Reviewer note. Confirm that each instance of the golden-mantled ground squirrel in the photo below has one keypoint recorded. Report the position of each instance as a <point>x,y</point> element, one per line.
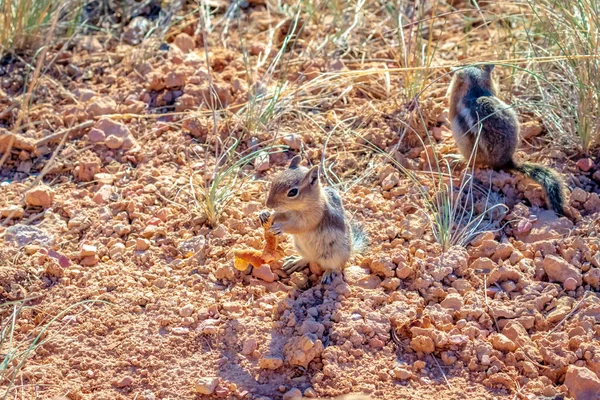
<point>481,120</point>
<point>315,217</point>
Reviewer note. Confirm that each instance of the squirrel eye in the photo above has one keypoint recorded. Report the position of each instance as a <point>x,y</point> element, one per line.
<point>293,192</point>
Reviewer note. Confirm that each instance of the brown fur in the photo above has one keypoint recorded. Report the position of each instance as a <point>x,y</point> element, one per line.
<point>315,217</point>
<point>486,130</point>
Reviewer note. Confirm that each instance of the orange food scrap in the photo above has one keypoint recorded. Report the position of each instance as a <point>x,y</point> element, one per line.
<point>243,258</point>
<point>270,250</point>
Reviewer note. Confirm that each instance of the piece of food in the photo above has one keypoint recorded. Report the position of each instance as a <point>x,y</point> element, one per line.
<point>245,257</point>
<point>271,251</point>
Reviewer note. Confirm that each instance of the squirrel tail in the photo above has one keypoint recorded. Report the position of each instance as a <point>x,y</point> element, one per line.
<point>549,180</point>
<point>360,240</point>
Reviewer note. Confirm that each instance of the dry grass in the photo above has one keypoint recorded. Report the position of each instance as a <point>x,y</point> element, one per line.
<point>569,88</point>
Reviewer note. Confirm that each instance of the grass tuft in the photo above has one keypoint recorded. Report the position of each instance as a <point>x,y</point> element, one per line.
<point>571,105</point>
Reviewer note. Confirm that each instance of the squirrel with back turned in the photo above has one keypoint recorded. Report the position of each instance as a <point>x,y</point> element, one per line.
<point>483,122</point>
<point>315,217</point>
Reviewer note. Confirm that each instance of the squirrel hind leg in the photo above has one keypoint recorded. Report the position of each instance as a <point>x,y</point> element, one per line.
<point>329,276</point>
<point>293,264</point>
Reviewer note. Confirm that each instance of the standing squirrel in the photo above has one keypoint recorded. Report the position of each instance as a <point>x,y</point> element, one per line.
<point>483,121</point>
<point>315,217</point>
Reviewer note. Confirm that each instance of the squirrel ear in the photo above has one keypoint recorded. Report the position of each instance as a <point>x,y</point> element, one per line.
<point>488,68</point>
<point>312,176</point>
<point>295,162</point>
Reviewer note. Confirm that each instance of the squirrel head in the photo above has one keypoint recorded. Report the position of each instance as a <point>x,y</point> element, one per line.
<point>472,78</point>
<point>296,189</point>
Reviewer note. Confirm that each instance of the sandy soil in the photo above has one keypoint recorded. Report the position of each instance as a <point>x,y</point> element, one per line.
<point>514,314</point>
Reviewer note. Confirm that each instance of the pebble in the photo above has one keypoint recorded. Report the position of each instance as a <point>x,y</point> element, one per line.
<point>559,270</point>
<point>116,251</point>
<point>294,141</point>
<point>187,310</point>
<point>13,211</point>
<point>261,162</point>
<point>453,301</point>
<point>249,346</point>
<point>185,42</point>
<point>113,142</point>
<point>22,235</point>
<point>502,343</point>
<point>292,394</point>
<point>41,195</point>
<point>126,381</point>
<point>101,106</point>
<point>582,383</point>
<point>142,244</point>
<point>423,344</point>
<point>301,350</point>
<point>270,362</point>
<point>402,373</point>
<point>264,272</point>
<point>206,385</point>
<point>88,250</point>
<point>102,196</point>
<point>585,164</point>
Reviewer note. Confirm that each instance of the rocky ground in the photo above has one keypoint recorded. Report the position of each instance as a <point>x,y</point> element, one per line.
<point>101,203</point>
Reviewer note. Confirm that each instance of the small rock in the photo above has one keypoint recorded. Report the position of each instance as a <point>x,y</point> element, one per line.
<point>270,362</point>
<point>40,195</point>
<point>261,162</point>
<point>187,310</point>
<point>113,142</point>
<point>185,42</point>
<point>301,350</point>
<point>453,301</point>
<point>264,272</point>
<point>402,374</point>
<point>390,181</point>
<point>175,79</point>
<point>84,95</point>
<point>13,211</point>
<point>88,250</point>
<point>413,225</point>
<point>530,129</point>
<point>102,196</point>
<point>116,251</point>
<point>585,164</point>
<point>249,346</point>
<point>110,127</point>
<point>126,381</point>
<point>294,141</point>
<point>102,106</point>
<point>423,344</point>
<point>87,170</point>
<point>180,331</point>
<point>22,235</point>
<point>206,385</point>
<point>570,284</point>
<point>293,394</point>
<point>299,280</point>
<point>559,270</point>
<point>502,343</point>
<point>135,31</point>
<point>582,383</point>
<point>142,244</point>
<point>219,232</point>
<point>579,195</point>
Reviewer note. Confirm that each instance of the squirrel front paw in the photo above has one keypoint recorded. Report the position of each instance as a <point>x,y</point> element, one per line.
<point>277,228</point>
<point>264,216</point>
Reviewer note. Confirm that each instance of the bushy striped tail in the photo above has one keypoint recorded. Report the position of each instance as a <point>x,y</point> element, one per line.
<point>550,180</point>
<point>360,239</point>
